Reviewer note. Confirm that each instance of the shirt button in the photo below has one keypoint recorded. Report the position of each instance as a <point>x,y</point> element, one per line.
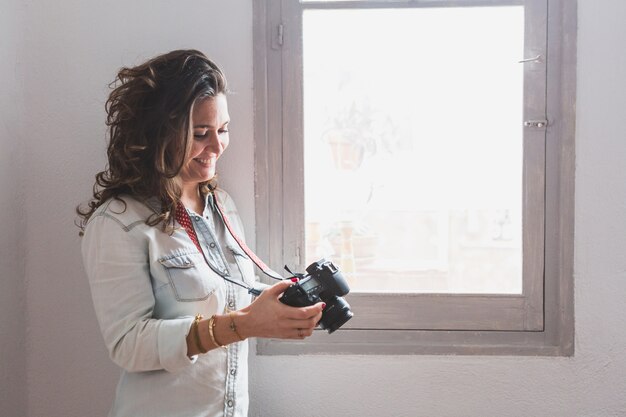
<point>211,245</point>
<point>230,403</point>
<point>233,372</point>
<point>231,304</point>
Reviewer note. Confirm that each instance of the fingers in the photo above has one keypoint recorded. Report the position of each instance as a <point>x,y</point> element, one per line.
<point>316,309</point>
<point>304,327</point>
<point>304,313</point>
<point>303,324</point>
<point>302,333</point>
<point>280,287</point>
<point>300,322</point>
<point>271,318</point>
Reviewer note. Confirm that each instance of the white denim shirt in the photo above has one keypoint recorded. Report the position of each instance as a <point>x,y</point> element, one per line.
<point>147,286</point>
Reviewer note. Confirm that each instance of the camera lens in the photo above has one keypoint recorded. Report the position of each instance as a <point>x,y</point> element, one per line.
<point>336,314</point>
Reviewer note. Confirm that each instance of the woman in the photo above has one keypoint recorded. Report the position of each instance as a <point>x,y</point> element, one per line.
<point>162,266</point>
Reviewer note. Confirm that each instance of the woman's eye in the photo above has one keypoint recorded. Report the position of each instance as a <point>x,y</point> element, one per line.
<point>223,131</point>
<point>200,135</point>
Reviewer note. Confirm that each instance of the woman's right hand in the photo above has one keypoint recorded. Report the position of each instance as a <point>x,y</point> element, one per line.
<point>268,317</point>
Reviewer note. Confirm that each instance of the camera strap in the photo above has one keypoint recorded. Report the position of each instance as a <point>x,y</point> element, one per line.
<point>255,259</point>
<point>182,217</point>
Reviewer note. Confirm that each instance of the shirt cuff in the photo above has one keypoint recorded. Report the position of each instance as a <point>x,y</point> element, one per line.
<point>172,343</point>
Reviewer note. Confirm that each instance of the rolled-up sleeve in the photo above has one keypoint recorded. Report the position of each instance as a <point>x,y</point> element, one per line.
<point>117,265</point>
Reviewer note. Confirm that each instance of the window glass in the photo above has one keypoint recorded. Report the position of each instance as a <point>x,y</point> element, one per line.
<point>413,147</point>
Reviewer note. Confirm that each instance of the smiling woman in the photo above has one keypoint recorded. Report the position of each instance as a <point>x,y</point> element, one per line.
<point>166,276</point>
<point>209,121</point>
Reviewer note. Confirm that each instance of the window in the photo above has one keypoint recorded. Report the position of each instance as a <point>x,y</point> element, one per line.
<point>426,148</point>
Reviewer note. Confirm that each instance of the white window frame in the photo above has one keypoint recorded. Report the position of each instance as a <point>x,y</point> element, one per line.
<point>537,322</point>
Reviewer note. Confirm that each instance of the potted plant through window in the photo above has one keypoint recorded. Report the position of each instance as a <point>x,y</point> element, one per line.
<point>355,131</point>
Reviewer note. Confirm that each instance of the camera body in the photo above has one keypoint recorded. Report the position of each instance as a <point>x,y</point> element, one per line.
<point>323,282</point>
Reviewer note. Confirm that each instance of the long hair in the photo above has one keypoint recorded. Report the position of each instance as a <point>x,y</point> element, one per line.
<point>149,128</point>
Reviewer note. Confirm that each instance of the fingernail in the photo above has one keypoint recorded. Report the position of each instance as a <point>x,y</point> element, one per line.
<point>294,279</point>
<point>323,306</point>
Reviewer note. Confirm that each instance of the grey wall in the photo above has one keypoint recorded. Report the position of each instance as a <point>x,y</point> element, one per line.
<point>72,50</point>
<point>12,222</point>
<point>590,384</point>
<point>53,358</point>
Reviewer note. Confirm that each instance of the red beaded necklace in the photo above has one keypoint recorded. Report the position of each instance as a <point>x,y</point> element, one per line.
<point>183,218</point>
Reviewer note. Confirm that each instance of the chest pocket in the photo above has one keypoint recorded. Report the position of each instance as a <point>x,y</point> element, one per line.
<point>189,276</point>
<point>245,265</point>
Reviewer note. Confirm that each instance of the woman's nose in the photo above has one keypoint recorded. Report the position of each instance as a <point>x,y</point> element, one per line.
<point>215,143</point>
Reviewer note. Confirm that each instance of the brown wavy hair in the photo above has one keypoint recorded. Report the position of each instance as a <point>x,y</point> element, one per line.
<point>149,128</point>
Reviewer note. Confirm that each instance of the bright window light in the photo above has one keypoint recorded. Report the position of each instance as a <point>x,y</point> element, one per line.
<point>413,147</point>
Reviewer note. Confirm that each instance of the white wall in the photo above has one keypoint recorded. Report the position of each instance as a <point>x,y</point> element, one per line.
<point>593,382</point>
<point>73,49</point>
<point>68,51</point>
<point>12,305</point>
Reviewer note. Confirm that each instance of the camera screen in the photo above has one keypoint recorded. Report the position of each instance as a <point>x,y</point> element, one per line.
<point>309,284</point>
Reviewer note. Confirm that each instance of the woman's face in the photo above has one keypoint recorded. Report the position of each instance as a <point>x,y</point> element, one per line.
<point>209,121</point>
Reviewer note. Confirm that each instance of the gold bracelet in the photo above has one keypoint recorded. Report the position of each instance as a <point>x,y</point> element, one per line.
<point>212,324</point>
<point>233,327</point>
<point>196,331</point>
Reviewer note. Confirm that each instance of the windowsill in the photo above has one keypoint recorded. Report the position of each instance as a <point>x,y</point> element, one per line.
<point>417,342</point>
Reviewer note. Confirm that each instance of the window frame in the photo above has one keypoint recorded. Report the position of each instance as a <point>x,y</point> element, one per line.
<point>537,322</point>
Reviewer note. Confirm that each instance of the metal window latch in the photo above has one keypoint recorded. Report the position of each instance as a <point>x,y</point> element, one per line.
<point>280,33</point>
<point>536,123</point>
<point>278,37</point>
<point>535,59</point>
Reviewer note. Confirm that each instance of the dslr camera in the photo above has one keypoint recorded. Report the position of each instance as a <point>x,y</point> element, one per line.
<point>322,282</point>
